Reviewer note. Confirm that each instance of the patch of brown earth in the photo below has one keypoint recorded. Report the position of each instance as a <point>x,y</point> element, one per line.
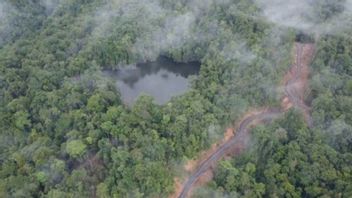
<point>307,56</point>
<point>204,179</point>
<point>286,103</point>
<point>229,133</point>
<point>191,165</point>
<point>237,149</point>
<point>178,187</point>
<point>300,67</point>
<point>299,87</point>
<point>308,51</point>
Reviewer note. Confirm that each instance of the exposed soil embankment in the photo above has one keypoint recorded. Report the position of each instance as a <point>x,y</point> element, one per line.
<point>236,139</point>
<point>296,80</point>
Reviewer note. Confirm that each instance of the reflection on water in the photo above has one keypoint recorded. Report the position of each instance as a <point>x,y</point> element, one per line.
<point>161,79</point>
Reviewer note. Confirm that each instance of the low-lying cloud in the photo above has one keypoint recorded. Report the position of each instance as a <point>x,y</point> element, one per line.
<point>313,16</point>
<point>5,11</point>
<point>50,5</point>
<point>17,19</point>
<point>162,27</point>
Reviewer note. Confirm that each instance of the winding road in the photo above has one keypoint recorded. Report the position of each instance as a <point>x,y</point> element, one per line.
<point>295,98</point>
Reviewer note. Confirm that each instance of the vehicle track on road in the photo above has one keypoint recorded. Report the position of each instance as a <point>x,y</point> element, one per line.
<point>295,96</point>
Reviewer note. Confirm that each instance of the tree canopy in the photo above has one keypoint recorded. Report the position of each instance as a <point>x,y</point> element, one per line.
<point>65,132</point>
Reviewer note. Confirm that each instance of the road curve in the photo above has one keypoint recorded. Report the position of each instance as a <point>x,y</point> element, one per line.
<point>242,130</point>
<point>222,150</point>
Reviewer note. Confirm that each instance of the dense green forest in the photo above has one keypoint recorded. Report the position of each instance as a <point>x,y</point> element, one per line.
<point>65,132</point>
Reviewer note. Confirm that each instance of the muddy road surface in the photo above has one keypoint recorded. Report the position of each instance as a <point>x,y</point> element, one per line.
<point>296,85</point>
<point>241,138</point>
<point>294,89</point>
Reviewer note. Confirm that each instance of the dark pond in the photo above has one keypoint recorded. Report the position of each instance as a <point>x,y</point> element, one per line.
<point>161,79</point>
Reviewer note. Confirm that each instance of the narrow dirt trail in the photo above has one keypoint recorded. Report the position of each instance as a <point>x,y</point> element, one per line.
<point>295,82</point>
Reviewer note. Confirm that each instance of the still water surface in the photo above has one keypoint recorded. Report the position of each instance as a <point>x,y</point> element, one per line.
<point>161,79</point>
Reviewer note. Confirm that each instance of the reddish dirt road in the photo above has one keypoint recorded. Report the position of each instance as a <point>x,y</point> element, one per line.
<point>295,82</point>
<point>297,78</point>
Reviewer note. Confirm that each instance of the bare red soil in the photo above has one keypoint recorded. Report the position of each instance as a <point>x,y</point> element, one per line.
<point>178,188</point>
<point>191,165</point>
<point>229,134</point>
<point>303,55</point>
<point>295,83</point>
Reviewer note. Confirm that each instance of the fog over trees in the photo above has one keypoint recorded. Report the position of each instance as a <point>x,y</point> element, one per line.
<point>65,131</point>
